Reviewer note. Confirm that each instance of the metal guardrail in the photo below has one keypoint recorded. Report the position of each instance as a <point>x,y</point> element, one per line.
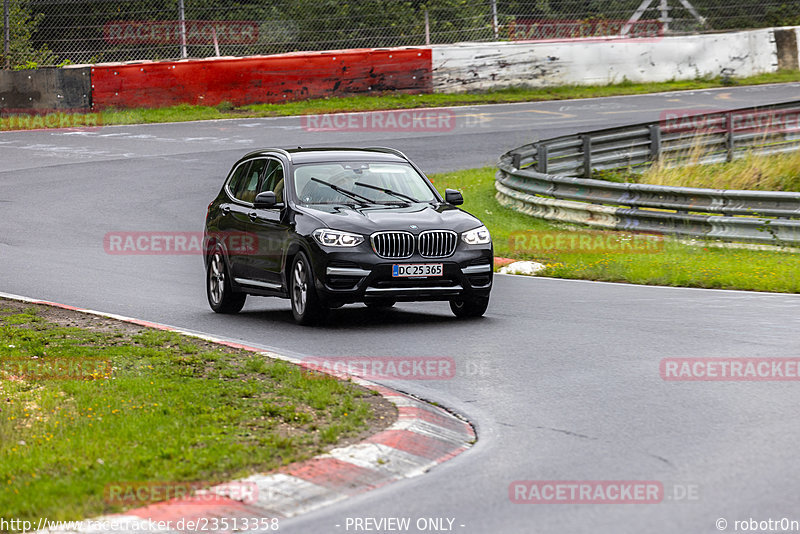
<point>552,178</point>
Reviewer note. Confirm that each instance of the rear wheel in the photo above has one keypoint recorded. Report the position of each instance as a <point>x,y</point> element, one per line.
<point>221,296</point>
<point>307,307</point>
<point>470,306</point>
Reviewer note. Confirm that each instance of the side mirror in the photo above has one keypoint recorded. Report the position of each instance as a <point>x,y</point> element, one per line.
<point>451,196</point>
<point>265,200</point>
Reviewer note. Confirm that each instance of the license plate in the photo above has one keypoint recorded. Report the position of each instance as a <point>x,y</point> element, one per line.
<point>403,270</point>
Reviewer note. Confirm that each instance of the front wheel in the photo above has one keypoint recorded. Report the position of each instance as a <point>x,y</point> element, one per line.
<point>306,305</point>
<point>469,307</point>
<point>221,296</point>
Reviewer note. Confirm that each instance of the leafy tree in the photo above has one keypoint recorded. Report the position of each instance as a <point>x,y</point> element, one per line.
<point>22,27</point>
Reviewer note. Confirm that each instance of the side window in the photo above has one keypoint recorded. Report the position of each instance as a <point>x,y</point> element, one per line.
<point>246,190</point>
<point>273,180</point>
<point>237,179</point>
<point>273,176</point>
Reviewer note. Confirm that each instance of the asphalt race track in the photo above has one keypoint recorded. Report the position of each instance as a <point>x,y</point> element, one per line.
<point>561,378</point>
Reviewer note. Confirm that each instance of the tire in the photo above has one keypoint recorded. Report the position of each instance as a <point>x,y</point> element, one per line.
<point>307,307</point>
<point>469,307</point>
<point>383,304</point>
<point>221,296</point>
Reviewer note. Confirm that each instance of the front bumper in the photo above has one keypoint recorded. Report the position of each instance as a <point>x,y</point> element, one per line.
<point>356,276</point>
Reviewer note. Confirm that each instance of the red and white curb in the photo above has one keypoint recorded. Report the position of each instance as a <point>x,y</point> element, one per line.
<point>423,437</point>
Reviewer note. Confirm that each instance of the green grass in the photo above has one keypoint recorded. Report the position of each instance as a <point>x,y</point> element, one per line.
<point>780,172</point>
<point>671,263</point>
<point>393,100</point>
<point>168,409</point>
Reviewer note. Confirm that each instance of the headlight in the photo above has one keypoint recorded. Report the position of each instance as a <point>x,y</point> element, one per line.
<point>336,238</point>
<point>478,236</point>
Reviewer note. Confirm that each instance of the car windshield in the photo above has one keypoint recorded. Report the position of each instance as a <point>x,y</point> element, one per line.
<point>361,183</point>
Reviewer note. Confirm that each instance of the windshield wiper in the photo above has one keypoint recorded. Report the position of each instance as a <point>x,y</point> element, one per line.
<point>387,191</point>
<point>345,192</point>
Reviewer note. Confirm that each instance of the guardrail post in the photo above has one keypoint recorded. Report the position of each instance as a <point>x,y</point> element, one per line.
<point>587,156</point>
<point>655,141</point>
<point>541,158</point>
<point>729,142</point>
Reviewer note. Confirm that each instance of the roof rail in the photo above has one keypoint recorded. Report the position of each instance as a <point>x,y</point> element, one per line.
<point>388,150</point>
<point>284,152</point>
<point>280,150</point>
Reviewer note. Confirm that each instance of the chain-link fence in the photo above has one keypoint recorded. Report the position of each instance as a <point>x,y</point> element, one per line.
<point>51,32</point>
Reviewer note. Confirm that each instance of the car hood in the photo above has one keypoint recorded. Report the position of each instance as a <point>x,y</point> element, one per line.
<point>367,220</point>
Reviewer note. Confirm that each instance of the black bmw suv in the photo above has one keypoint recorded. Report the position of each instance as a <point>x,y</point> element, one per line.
<point>329,226</point>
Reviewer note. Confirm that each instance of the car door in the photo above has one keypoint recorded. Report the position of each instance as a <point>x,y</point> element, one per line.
<point>235,217</point>
<point>271,229</point>
<point>241,243</point>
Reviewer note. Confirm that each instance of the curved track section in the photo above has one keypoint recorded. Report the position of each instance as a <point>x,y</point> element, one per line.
<point>561,379</point>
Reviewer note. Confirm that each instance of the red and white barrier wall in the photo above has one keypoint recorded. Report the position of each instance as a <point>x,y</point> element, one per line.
<point>441,68</point>
<point>480,66</point>
<point>263,79</point>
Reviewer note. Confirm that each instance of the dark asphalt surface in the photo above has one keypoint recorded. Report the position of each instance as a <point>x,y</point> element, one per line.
<point>561,378</point>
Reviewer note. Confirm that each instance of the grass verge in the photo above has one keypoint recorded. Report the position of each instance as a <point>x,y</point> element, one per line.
<point>777,172</point>
<point>671,263</point>
<point>394,100</point>
<point>141,405</point>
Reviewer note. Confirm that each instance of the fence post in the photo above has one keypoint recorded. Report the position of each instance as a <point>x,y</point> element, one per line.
<point>729,135</point>
<point>6,35</point>
<point>665,18</point>
<point>427,29</point>
<point>182,19</point>
<point>495,28</point>
<point>587,156</point>
<point>655,141</point>
<point>541,158</point>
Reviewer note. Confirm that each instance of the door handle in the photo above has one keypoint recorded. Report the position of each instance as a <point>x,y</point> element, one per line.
<point>253,215</point>
<point>226,210</point>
